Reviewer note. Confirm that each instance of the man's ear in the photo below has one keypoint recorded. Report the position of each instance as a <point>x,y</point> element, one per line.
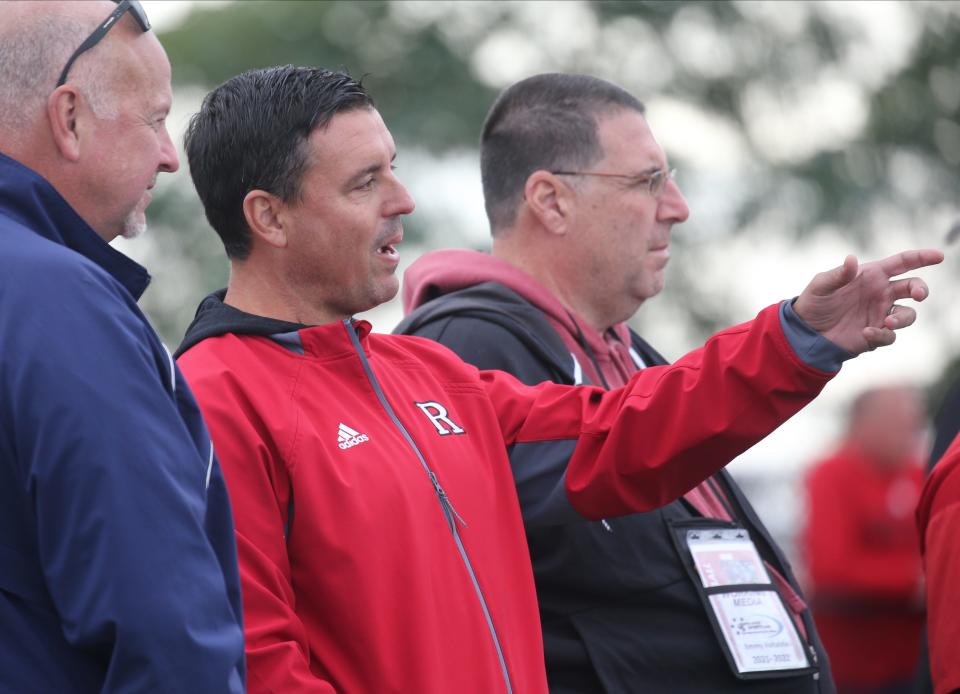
<point>263,213</point>
<point>62,112</point>
<point>549,200</point>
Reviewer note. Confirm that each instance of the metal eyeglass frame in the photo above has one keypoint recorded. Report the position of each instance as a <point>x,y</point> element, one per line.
<point>655,181</point>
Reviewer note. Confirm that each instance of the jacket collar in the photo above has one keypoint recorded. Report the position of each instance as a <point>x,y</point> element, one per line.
<point>215,318</point>
<point>28,198</point>
<point>334,339</point>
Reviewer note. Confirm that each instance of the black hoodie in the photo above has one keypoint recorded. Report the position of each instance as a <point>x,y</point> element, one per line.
<point>618,609</point>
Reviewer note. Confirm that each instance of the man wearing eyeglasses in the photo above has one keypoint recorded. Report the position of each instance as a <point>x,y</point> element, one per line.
<point>117,556</point>
<point>379,481</point>
<point>581,203</point>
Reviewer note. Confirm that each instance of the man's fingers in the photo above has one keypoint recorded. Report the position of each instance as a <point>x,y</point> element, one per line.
<point>910,288</point>
<point>878,337</point>
<point>832,280</point>
<point>918,289</point>
<point>899,317</point>
<point>906,261</point>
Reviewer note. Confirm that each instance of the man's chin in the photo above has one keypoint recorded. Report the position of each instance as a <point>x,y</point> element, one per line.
<point>388,289</point>
<point>134,226</point>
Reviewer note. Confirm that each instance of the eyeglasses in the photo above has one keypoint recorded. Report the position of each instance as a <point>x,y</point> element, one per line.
<point>654,182</point>
<point>138,14</point>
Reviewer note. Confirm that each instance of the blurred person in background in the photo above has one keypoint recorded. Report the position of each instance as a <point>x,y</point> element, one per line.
<point>574,256</point>
<point>860,544</point>
<point>118,565</point>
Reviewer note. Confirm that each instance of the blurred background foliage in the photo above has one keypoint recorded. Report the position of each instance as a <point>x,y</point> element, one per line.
<point>802,131</point>
<point>790,117</point>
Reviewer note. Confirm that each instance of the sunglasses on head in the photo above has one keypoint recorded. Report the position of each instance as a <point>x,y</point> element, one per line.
<point>136,10</point>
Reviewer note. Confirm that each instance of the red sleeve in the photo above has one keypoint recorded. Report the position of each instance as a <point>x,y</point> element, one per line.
<point>938,516</point>
<point>277,649</point>
<point>644,445</point>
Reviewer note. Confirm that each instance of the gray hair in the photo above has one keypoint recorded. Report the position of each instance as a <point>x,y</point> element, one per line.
<point>32,54</point>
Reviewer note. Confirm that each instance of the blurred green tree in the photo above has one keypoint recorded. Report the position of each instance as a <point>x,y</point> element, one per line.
<point>773,73</point>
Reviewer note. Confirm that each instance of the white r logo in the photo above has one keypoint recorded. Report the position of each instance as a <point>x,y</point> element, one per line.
<point>437,414</point>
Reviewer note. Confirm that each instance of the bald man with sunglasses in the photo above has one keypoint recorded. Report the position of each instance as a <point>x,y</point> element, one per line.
<point>117,556</point>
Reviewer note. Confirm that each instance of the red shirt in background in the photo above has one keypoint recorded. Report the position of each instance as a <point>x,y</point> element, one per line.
<point>863,560</point>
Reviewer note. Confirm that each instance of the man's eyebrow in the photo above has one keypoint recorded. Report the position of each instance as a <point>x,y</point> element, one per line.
<point>372,169</point>
<point>363,173</point>
<point>161,110</point>
<point>652,169</point>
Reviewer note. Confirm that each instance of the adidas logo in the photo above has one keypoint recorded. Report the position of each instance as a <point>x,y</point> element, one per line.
<point>350,438</point>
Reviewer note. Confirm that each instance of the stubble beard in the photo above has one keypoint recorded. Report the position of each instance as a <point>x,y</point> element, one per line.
<point>135,223</point>
<point>134,226</point>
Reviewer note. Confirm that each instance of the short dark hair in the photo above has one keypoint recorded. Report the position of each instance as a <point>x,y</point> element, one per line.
<point>546,122</point>
<point>251,133</point>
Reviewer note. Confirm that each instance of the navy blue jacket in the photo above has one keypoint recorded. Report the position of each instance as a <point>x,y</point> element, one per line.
<point>118,566</point>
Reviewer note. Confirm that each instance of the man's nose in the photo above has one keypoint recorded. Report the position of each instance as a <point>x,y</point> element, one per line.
<point>401,202</point>
<point>169,161</point>
<point>673,206</point>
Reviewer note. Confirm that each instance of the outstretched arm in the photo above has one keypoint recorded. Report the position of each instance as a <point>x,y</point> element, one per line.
<point>637,448</point>
<point>854,306</point>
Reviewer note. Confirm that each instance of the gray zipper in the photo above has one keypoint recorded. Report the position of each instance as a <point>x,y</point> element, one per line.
<point>449,512</point>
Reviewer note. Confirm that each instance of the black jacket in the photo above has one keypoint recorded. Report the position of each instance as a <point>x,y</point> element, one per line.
<point>618,610</point>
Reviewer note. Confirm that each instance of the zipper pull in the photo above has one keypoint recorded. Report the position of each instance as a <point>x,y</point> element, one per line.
<point>444,499</point>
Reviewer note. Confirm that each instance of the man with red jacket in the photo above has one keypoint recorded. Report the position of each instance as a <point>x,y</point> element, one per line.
<point>379,515</point>
<point>860,544</point>
<point>938,518</point>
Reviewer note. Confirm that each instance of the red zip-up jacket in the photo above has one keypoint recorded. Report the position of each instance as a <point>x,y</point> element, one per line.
<point>378,513</point>
<point>938,518</point>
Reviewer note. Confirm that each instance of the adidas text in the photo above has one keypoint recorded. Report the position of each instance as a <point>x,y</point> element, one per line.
<point>351,442</point>
<point>348,438</point>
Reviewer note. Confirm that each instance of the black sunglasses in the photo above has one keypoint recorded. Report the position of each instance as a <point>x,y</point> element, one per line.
<point>138,14</point>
